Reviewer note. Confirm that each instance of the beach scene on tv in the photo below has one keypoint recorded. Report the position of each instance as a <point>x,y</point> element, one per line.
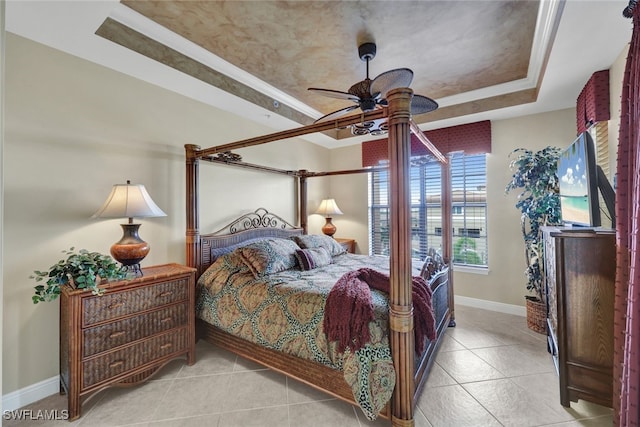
<point>574,186</point>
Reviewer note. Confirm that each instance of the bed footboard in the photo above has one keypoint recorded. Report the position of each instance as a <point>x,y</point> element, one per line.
<point>442,312</point>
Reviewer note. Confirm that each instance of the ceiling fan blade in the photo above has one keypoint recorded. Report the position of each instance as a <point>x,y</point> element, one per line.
<point>421,104</point>
<point>335,94</point>
<point>400,77</point>
<point>336,114</point>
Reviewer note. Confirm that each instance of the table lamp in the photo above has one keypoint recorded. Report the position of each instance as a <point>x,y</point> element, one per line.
<point>129,201</point>
<point>328,207</point>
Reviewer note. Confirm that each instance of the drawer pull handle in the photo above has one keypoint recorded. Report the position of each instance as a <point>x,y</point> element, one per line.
<point>166,346</point>
<point>117,334</point>
<point>116,364</point>
<point>166,319</point>
<point>165,294</point>
<point>116,305</point>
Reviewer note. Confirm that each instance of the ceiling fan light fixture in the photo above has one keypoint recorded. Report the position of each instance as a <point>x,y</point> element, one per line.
<point>370,127</point>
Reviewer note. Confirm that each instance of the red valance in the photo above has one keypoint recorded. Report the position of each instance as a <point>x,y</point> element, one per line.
<point>593,102</point>
<point>472,138</point>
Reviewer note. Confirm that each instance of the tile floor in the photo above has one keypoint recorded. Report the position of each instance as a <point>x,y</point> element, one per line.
<point>491,371</point>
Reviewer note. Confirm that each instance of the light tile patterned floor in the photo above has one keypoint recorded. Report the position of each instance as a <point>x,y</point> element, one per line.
<point>491,371</point>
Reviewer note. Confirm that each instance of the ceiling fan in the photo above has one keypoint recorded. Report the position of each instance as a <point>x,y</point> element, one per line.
<point>369,94</point>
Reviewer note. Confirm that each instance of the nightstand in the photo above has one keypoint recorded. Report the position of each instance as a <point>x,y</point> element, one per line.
<point>126,335</point>
<point>349,245</point>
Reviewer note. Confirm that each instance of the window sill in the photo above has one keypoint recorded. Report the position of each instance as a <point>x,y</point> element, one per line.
<point>472,270</point>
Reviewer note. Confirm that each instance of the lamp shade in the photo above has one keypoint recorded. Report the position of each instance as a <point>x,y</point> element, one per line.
<point>328,207</point>
<point>128,201</point>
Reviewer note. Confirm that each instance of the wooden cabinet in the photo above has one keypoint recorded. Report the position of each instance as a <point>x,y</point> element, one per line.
<point>127,334</point>
<point>580,276</point>
<point>349,245</point>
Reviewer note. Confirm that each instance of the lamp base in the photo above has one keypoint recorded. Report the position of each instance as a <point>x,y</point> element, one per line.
<point>130,249</point>
<point>329,229</point>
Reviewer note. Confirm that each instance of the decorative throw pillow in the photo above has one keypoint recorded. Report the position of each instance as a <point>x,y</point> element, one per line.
<point>308,259</point>
<point>218,252</point>
<point>268,256</point>
<point>308,241</point>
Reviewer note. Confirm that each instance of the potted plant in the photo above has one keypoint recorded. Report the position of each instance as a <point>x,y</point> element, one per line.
<point>539,203</point>
<point>80,270</point>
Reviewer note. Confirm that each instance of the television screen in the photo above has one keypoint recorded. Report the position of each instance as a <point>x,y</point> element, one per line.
<point>578,182</point>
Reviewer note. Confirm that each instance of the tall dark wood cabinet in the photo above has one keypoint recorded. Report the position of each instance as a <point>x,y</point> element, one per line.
<point>580,275</point>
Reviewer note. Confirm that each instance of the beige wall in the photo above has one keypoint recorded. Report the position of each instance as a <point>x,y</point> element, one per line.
<point>73,129</point>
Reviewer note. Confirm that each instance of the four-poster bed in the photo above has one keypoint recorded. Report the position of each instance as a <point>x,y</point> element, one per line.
<point>410,370</point>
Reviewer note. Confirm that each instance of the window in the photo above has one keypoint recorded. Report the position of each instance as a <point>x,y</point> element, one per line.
<point>470,232</point>
<point>469,207</point>
<point>600,135</point>
<point>457,210</point>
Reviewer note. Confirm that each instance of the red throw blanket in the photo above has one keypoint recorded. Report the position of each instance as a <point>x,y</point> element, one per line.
<point>349,309</point>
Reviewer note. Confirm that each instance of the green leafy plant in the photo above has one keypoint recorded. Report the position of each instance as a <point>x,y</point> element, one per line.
<point>539,204</point>
<point>80,270</point>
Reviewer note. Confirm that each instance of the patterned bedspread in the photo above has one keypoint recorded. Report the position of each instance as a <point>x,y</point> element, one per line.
<point>284,311</point>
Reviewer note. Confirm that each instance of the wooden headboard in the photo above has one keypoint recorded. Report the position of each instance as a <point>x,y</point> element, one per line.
<point>251,226</point>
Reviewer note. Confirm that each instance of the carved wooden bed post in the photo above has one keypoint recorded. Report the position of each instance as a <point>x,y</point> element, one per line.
<point>400,300</point>
<point>303,200</point>
<point>447,226</point>
<point>193,226</point>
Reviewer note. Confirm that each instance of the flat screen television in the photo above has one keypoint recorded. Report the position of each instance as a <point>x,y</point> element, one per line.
<point>580,181</point>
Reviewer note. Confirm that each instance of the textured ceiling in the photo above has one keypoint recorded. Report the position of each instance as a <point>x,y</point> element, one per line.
<point>452,47</point>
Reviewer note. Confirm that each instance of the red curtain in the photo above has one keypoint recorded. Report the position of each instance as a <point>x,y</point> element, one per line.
<point>626,366</point>
<point>593,102</point>
<point>472,138</point>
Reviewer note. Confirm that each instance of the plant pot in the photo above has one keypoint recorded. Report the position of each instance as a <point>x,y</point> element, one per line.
<point>536,316</point>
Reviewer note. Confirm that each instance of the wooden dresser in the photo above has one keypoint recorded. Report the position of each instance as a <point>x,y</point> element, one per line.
<point>127,334</point>
<point>580,276</point>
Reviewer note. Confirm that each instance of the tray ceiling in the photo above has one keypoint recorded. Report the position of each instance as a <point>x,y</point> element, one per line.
<point>453,48</point>
<point>480,59</point>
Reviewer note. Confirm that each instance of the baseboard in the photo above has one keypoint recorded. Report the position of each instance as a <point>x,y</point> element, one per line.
<point>29,394</point>
<point>518,310</point>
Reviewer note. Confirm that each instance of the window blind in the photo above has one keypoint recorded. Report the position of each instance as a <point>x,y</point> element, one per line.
<point>469,207</point>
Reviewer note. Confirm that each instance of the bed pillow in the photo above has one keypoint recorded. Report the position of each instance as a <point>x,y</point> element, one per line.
<point>308,259</point>
<point>268,256</point>
<point>218,252</point>
<point>308,241</point>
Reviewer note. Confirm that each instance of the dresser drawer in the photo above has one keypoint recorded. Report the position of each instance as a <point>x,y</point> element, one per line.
<point>109,306</point>
<point>105,337</point>
<point>102,368</point>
